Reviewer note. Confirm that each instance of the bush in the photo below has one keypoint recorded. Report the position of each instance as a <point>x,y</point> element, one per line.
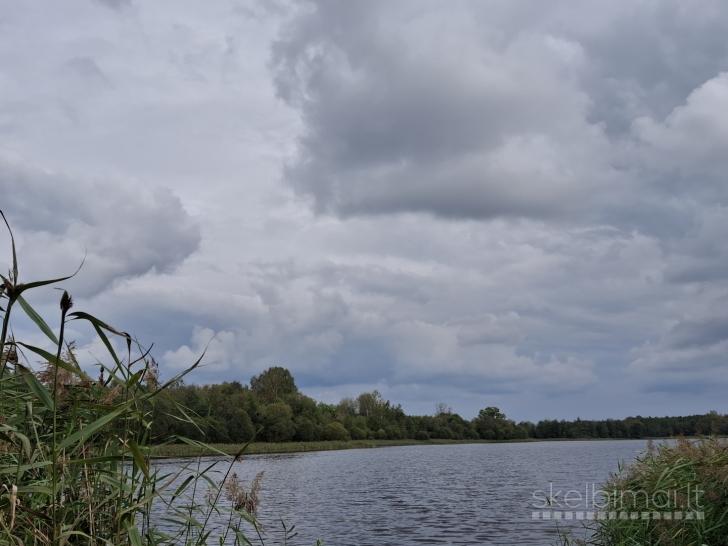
<point>422,436</point>
<point>335,431</point>
<point>240,428</point>
<point>304,430</point>
<point>393,432</point>
<point>444,433</point>
<point>357,434</point>
<point>381,434</point>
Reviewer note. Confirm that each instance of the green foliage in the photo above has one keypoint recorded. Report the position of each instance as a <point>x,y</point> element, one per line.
<point>348,407</point>
<point>393,432</point>
<point>491,424</point>
<point>272,384</point>
<point>277,420</point>
<point>688,476</point>
<point>335,431</point>
<point>422,436</point>
<point>75,451</point>
<point>229,412</point>
<point>491,412</point>
<point>240,427</point>
<point>306,430</point>
<point>357,433</point>
<point>371,404</point>
<point>632,427</point>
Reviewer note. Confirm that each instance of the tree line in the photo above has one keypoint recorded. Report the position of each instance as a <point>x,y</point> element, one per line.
<point>272,409</point>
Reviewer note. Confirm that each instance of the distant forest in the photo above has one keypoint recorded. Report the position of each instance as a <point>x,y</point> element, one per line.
<point>232,413</point>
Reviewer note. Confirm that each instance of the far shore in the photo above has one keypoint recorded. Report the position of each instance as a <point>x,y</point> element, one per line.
<point>256,448</point>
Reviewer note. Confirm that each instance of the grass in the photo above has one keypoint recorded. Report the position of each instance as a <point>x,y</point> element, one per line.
<point>186,450</point>
<point>688,477</point>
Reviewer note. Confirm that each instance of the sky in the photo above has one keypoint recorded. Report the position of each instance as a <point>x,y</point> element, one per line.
<point>518,204</point>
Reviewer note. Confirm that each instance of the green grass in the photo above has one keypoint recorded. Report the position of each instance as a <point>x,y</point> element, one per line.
<point>186,450</point>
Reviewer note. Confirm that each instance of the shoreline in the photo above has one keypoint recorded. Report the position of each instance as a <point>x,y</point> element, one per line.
<point>173,451</point>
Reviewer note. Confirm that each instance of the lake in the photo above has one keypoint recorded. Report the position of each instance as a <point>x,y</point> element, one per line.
<point>430,494</point>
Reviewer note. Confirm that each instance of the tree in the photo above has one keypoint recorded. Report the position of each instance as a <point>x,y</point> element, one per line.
<point>357,433</point>
<point>441,408</point>
<point>274,383</point>
<point>306,431</point>
<point>371,404</point>
<point>348,406</point>
<point>491,424</point>
<point>278,422</point>
<point>492,412</point>
<point>240,427</point>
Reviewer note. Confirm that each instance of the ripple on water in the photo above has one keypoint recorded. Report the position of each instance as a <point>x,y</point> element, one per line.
<point>428,494</point>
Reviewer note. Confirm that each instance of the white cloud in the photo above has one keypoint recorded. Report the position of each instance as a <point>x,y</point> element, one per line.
<point>217,351</point>
<point>692,138</point>
<point>122,227</point>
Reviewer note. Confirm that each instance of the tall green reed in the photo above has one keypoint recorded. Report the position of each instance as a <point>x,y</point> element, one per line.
<point>675,494</point>
<point>75,465</point>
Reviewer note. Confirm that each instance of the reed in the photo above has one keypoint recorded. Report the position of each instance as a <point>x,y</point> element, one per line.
<point>685,477</point>
<point>75,450</point>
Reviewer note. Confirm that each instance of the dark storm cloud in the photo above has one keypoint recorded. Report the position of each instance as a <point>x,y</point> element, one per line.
<point>461,126</point>
<point>698,333</point>
<point>690,355</point>
<point>477,110</point>
<point>648,57</point>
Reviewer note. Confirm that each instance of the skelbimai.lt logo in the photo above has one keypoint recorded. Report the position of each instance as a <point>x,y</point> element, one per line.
<point>594,502</point>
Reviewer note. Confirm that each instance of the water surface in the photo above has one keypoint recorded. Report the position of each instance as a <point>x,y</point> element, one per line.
<point>428,494</point>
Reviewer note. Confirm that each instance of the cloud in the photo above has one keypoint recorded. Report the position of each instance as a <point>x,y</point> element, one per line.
<point>217,351</point>
<point>122,227</point>
<point>687,147</point>
<point>489,203</point>
<point>702,255</point>
<point>562,114</point>
<point>689,357</point>
<point>464,126</point>
<point>490,329</point>
<point>115,4</point>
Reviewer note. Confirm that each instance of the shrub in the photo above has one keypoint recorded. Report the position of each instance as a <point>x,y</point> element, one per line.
<point>422,436</point>
<point>357,434</point>
<point>240,428</point>
<point>393,432</point>
<point>335,431</point>
<point>304,430</point>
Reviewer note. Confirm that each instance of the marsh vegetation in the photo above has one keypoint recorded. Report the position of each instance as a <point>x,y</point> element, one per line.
<point>675,494</point>
<point>75,449</point>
